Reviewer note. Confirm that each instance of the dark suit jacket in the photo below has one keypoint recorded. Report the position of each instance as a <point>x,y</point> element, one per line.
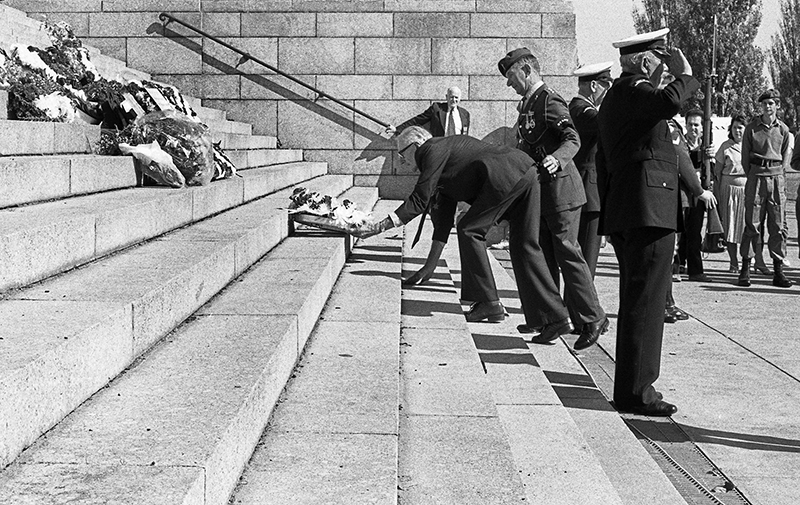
<point>436,115</point>
<point>460,169</point>
<point>637,164</point>
<point>545,121</point>
<point>584,116</point>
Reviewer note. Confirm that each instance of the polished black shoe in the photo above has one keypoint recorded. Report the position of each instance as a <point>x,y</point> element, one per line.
<point>524,328</point>
<point>591,332</point>
<point>552,331</point>
<point>669,317</point>
<point>678,313</point>
<point>658,408</point>
<point>700,278</point>
<point>493,312</point>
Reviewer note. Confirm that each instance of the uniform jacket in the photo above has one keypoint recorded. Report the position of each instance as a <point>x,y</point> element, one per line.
<point>544,120</point>
<point>436,115</point>
<point>460,169</point>
<point>637,163</point>
<point>584,117</point>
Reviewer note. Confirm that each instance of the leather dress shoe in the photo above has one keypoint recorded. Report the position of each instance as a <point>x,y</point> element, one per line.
<point>676,313</point>
<point>493,312</point>
<point>700,278</point>
<point>552,331</point>
<point>658,408</point>
<point>591,332</point>
<point>669,317</point>
<point>524,328</point>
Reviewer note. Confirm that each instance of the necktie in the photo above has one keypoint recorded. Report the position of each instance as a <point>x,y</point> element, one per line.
<point>451,127</point>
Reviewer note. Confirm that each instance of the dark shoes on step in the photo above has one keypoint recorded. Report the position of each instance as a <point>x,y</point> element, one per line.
<point>673,314</point>
<point>658,408</point>
<point>551,331</point>
<point>492,312</point>
<point>591,332</point>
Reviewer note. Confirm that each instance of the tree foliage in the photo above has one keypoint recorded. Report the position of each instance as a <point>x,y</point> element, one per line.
<point>739,72</point>
<point>784,62</point>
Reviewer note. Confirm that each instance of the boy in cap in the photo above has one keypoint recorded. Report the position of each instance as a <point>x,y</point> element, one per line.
<point>637,171</point>
<point>545,131</point>
<point>766,152</point>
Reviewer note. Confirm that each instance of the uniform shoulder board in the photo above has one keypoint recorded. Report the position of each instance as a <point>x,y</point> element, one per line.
<point>640,81</point>
<point>588,108</point>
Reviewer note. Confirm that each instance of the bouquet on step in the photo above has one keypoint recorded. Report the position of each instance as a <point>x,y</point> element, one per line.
<point>324,211</point>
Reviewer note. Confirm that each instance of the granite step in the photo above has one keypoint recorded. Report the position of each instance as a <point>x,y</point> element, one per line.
<point>253,158</point>
<point>333,434</point>
<point>47,238</point>
<point>64,338</point>
<point>560,412</point>
<point>28,179</point>
<point>226,126</point>
<point>42,137</point>
<point>234,141</point>
<point>180,424</point>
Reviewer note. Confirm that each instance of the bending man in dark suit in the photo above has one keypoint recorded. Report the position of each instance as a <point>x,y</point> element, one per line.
<point>498,183</point>
<point>443,118</point>
<point>637,168</point>
<point>546,133</point>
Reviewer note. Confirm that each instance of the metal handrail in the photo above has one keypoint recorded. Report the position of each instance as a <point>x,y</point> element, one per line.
<point>167,18</point>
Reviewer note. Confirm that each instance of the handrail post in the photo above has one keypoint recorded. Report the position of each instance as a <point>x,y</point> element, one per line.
<point>167,18</point>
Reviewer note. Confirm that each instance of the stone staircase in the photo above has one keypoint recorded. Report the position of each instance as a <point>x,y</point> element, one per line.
<point>162,346</point>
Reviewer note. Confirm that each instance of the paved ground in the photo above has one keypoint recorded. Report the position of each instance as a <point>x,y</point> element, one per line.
<point>733,369</point>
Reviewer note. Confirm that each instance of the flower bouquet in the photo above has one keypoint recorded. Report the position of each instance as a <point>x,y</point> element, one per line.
<point>324,211</point>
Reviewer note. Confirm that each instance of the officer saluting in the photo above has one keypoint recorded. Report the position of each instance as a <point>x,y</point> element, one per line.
<point>637,168</point>
<point>593,83</point>
<point>545,132</point>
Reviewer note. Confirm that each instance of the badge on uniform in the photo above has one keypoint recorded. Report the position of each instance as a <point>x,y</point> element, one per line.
<point>529,121</point>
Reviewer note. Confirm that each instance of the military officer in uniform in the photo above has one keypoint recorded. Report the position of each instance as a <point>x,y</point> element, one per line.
<point>593,82</point>
<point>498,183</point>
<point>637,169</point>
<point>546,132</point>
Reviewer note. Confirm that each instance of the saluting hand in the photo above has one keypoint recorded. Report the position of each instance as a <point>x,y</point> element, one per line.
<point>678,64</point>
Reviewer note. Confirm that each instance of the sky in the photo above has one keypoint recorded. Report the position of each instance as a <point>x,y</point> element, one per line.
<point>600,22</point>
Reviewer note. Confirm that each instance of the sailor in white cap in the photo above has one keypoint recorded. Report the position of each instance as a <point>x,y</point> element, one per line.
<point>593,82</point>
<point>637,175</point>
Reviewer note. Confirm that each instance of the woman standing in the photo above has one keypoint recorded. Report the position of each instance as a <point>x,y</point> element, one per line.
<point>729,188</point>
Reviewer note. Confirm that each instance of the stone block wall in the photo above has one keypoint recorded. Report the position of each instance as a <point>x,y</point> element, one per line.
<point>391,58</point>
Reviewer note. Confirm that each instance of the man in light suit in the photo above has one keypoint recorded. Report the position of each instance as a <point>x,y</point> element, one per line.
<point>443,118</point>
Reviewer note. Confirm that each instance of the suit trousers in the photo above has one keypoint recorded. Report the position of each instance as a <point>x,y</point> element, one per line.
<point>645,266</point>
<point>765,198</point>
<point>538,294</point>
<point>691,241</point>
<point>589,239</point>
<point>559,239</point>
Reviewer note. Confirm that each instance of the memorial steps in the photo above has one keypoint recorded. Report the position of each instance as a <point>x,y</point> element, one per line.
<point>148,334</point>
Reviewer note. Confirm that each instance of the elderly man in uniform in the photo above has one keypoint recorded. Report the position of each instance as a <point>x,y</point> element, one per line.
<point>766,153</point>
<point>637,168</point>
<point>443,118</point>
<point>546,133</point>
<point>593,83</point>
<point>498,183</point>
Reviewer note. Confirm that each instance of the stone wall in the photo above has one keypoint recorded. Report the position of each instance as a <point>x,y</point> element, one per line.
<point>391,58</point>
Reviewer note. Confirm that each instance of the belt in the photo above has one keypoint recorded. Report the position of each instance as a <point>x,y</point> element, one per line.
<point>760,162</point>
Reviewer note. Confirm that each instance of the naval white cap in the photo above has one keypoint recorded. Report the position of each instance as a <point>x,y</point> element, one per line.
<point>655,41</point>
<point>594,72</point>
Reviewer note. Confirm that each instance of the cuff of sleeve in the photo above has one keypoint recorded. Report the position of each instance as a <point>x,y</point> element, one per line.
<point>395,220</point>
